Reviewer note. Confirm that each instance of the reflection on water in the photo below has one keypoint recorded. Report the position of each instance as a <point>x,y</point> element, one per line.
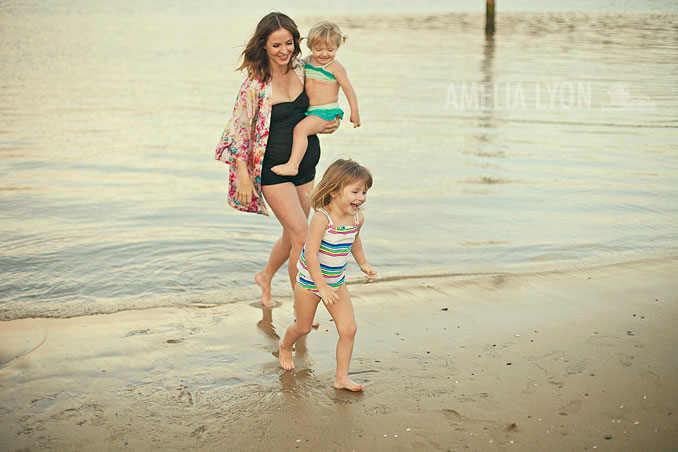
<point>110,199</point>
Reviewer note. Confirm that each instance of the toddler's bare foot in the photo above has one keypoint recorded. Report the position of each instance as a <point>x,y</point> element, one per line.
<point>265,284</point>
<point>285,357</point>
<point>286,169</point>
<point>347,383</point>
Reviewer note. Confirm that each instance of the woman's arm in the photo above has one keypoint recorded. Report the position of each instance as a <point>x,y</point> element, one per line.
<point>245,190</point>
<point>332,126</point>
<point>238,141</point>
<point>345,83</point>
<point>235,143</point>
<point>316,230</point>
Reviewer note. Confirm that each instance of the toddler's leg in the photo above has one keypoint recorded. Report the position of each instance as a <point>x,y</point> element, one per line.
<point>344,318</point>
<point>310,125</point>
<point>305,304</point>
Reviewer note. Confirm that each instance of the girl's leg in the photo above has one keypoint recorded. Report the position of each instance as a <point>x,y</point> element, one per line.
<point>279,254</point>
<point>305,304</point>
<point>303,192</point>
<point>310,125</point>
<point>344,318</point>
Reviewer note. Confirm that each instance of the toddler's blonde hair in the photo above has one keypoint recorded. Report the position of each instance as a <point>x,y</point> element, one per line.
<point>327,32</point>
<point>339,174</point>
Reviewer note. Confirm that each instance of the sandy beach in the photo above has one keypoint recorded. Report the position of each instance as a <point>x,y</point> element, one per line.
<point>570,360</point>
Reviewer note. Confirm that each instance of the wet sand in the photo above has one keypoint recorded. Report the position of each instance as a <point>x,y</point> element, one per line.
<point>570,360</point>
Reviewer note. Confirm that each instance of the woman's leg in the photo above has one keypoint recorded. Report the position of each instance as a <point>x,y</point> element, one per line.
<point>302,193</point>
<point>305,304</point>
<point>282,250</point>
<point>287,207</point>
<point>279,254</point>
<point>310,125</point>
<point>344,319</point>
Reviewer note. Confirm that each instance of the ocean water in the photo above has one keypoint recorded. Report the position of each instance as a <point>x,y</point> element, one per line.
<point>552,145</point>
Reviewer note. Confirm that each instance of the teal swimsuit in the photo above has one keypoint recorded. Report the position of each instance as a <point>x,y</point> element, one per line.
<point>328,111</point>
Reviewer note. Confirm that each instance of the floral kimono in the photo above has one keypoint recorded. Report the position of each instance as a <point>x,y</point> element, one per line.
<point>246,136</point>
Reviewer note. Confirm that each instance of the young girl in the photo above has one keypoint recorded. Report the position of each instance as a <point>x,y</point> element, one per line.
<point>324,76</point>
<point>333,233</point>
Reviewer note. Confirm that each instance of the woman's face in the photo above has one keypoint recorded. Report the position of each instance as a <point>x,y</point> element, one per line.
<point>279,47</point>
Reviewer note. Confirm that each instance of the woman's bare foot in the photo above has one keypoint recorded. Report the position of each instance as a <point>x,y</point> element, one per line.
<point>265,284</point>
<point>348,384</point>
<point>285,357</point>
<point>286,169</point>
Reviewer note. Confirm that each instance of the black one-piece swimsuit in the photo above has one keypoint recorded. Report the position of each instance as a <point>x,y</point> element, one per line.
<point>284,116</point>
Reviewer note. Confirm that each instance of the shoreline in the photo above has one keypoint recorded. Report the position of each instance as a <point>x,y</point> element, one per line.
<point>354,279</point>
<point>557,360</point>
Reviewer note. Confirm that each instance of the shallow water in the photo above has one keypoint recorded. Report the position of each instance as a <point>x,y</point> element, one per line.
<point>110,198</point>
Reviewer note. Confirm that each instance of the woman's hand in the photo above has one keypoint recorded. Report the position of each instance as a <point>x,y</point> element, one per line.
<point>331,126</point>
<point>245,189</point>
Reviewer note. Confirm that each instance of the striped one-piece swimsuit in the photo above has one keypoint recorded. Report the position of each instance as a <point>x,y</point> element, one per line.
<point>333,255</point>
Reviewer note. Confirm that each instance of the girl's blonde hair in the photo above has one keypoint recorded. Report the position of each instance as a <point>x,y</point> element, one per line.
<point>326,32</point>
<point>339,174</point>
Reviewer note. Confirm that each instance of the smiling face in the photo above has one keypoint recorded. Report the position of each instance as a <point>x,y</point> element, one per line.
<point>279,47</point>
<point>348,200</point>
<point>323,52</point>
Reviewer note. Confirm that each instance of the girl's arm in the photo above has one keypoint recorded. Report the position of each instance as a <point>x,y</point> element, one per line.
<point>316,230</point>
<point>340,74</point>
<point>359,253</point>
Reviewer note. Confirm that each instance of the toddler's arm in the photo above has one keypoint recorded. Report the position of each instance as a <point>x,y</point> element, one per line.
<point>345,83</point>
<point>359,253</point>
<point>316,230</point>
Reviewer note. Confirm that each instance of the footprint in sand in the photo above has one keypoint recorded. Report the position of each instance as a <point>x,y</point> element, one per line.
<point>452,415</point>
<point>137,332</point>
<point>531,387</point>
<point>556,383</point>
<point>576,368</point>
<point>199,431</point>
<point>624,359</point>
<point>653,378</point>
<point>472,397</point>
<point>572,407</point>
<point>185,394</point>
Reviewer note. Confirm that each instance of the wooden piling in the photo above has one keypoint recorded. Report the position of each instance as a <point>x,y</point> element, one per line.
<point>489,17</point>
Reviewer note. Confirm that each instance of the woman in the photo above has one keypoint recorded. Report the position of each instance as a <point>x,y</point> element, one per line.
<point>270,103</point>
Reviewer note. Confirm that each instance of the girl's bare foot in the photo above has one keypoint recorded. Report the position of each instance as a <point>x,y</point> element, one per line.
<point>347,383</point>
<point>265,284</point>
<point>285,357</point>
<point>286,169</point>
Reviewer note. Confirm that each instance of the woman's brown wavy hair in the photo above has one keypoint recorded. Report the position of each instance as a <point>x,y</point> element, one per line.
<point>255,58</point>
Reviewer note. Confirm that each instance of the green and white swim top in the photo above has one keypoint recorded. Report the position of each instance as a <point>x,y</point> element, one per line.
<point>319,73</point>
